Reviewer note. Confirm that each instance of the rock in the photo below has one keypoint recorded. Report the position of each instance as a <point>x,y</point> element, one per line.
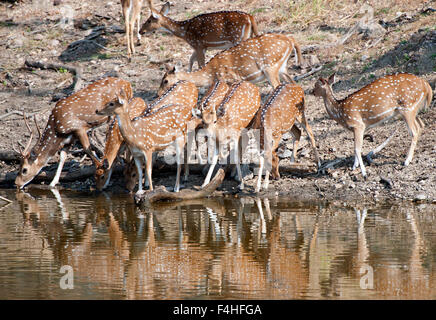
<point>38,37</point>
<point>420,197</point>
<point>285,154</point>
<point>54,43</point>
<point>16,43</point>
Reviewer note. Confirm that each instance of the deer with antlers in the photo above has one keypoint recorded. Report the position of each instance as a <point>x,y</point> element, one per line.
<point>216,30</point>
<point>254,60</point>
<point>399,94</point>
<point>132,14</point>
<point>153,131</point>
<point>284,106</point>
<point>233,114</point>
<point>71,118</point>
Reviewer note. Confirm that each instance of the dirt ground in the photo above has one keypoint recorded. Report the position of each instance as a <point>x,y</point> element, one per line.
<point>40,31</point>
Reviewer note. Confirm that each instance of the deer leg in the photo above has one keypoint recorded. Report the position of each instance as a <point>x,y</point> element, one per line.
<point>179,150</point>
<point>138,164</point>
<point>296,133</point>
<point>309,132</point>
<point>192,60</point>
<point>131,31</point>
<point>259,176</point>
<point>127,30</point>
<point>138,24</point>
<point>414,129</point>
<point>358,141</point>
<point>148,168</point>
<point>201,59</point>
<point>83,138</point>
<point>211,168</point>
<point>62,158</point>
<point>378,149</point>
<point>237,162</point>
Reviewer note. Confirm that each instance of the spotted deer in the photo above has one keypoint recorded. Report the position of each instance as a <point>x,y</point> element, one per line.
<point>254,60</point>
<point>211,100</point>
<point>182,92</point>
<point>399,94</point>
<point>284,106</point>
<point>114,145</point>
<point>152,132</point>
<point>234,114</point>
<point>132,14</point>
<point>71,118</point>
<point>216,30</point>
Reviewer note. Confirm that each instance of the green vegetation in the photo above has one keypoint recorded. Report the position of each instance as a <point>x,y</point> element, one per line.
<point>62,70</point>
<point>258,10</point>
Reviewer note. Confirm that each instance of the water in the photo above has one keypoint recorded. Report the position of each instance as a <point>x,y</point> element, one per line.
<point>227,248</point>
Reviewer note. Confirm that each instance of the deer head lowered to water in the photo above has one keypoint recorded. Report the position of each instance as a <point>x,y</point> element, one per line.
<point>151,132</point>
<point>399,94</point>
<point>284,106</point>
<point>180,93</point>
<point>71,118</point>
<point>226,122</point>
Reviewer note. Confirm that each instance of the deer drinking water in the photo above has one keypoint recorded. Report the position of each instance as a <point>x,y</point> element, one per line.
<point>254,60</point>
<point>182,92</point>
<point>71,118</point>
<point>226,122</point>
<point>283,107</point>
<point>399,94</point>
<point>114,146</point>
<point>152,132</point>
<point>216,30</point>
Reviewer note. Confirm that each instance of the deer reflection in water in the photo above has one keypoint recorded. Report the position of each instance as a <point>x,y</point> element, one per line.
<point>244,248</point>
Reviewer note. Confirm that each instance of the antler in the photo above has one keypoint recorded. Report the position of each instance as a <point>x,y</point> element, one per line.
<point>37,128</point>
<point>25,152</point>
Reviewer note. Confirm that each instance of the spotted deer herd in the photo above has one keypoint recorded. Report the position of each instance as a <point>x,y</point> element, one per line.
<point>231,105</point>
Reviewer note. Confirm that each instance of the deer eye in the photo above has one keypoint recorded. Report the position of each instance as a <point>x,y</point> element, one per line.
<point>165,81</point>
<point>24,171</point>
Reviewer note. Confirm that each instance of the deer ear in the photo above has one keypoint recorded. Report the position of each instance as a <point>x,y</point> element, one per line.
<point>165,9</point>
<point>122,97</point>
<point>154,14</point>
<point>332,78</point>
<point>170,69</point>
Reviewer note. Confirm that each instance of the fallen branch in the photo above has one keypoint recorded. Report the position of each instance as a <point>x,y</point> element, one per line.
<point>5,199</point>
<point>161,194</point>
<point>77,72</point>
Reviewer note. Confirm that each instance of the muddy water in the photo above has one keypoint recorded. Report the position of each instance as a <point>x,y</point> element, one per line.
<point>103,247</point>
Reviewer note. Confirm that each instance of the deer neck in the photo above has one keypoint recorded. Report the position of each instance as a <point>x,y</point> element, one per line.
<point>125,125</point>
<point>177,28</point>
<point>48,145</point>
<point>332,105</point>
<point>113,144</point>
